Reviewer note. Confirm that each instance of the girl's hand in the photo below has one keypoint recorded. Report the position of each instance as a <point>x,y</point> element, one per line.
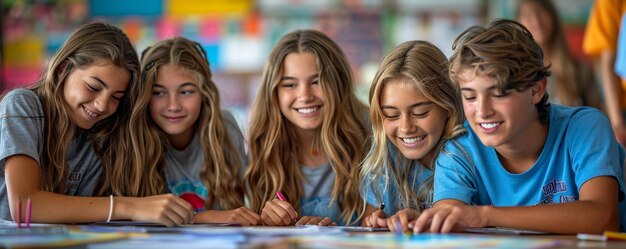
<point>242,215</point>
<point>278,213</point>
<point>315,220</point>
<point>167,209</point>
<point>377,218</point>
<point>401,220</point>
<point>447,217</point>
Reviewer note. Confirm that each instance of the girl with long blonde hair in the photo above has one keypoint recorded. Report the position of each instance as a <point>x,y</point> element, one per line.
<point>414,108</point>
<point>308,133</point>
<point>193,143</point>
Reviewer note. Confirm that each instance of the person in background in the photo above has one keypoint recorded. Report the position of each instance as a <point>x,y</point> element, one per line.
<point>600,42</point>
<point>572,83</point>
<point>415,108</point>
<point>198,146</point>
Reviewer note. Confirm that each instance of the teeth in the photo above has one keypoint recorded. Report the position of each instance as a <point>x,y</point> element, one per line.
<point>307,110</point>
<point>413,140</point>
<point>90,113</point>
<point>489,125</point>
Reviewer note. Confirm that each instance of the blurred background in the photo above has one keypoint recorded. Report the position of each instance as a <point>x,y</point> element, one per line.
<point>239,34</point>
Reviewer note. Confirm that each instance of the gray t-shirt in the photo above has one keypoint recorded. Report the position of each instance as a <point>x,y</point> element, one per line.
<point>319,181</point>
<point>318,188</point>
<point>21,133</point>
<point>183,167</point>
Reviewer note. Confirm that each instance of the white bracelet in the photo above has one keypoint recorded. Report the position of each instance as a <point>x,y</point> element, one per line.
<point>110,208</point>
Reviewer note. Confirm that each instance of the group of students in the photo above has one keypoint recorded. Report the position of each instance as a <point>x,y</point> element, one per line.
<point>444,145</point>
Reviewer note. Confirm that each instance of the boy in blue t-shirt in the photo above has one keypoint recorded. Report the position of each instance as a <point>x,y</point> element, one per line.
<point>524,163</point>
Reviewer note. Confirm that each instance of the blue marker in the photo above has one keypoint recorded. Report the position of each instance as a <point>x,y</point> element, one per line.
<point>398,225</point>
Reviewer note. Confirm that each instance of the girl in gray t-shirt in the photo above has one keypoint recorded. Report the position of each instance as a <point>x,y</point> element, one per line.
<point>308,133</point>
<point>200,147</point>
<point>50,136</point>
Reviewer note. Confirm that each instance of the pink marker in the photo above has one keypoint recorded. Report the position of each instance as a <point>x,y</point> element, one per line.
<point>29,206</point>
<point>19,212</point>
<point>281,197</point>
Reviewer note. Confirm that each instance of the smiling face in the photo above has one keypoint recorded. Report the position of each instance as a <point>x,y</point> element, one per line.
<point>412,122</point>
<point>300,94</point>
<point>176,103</point>
<point>94,92</point>
<point>499,118</point>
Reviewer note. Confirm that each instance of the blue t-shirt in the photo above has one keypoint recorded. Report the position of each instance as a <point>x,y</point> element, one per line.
<point>417,175</point>
<point>580,146</point>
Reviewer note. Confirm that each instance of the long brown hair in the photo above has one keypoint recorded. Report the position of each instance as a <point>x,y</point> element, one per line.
<point>274,162</point>
<point>575,83</point>
<point>84,47</point>
<point>222,161</point>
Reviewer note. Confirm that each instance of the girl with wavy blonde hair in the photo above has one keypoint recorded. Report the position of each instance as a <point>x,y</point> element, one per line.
<point>193,143</point>
<point>414,108</point>
<point>308,133</point>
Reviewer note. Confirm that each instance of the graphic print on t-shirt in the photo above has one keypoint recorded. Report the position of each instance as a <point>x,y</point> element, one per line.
<point>552,188</point>
<point>193,192</point>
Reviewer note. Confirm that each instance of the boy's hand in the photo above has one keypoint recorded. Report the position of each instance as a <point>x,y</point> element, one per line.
<point>445,217</point>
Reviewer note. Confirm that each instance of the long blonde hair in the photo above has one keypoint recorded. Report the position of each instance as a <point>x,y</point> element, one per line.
<point>425,67</point>
<point>84,47</point>
<point>222,162</point>
<point>273,143</point>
